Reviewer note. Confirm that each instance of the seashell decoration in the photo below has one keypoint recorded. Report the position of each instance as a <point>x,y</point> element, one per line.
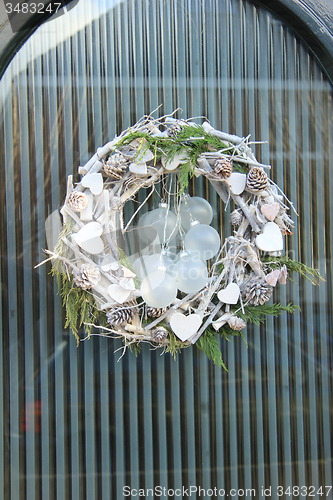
<point>77,201</point>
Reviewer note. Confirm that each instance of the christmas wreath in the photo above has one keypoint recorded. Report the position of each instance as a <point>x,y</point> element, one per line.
<point>162,275</point>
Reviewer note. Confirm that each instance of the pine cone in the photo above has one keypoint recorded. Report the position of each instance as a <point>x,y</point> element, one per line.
<point>223,168</point>
<point>155,312</point>
<point>77,201</point>
<point>87,276</point>
<point>116,165</point>
<point>236,217</point>
<point>120,316</point>
<point>236,323</point>
<point>160,333</point>
<point>257,180</point>
<point>174,130</point>
<point>256,291</point>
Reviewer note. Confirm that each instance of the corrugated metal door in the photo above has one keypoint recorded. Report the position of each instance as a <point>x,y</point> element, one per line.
<point>74,422</point>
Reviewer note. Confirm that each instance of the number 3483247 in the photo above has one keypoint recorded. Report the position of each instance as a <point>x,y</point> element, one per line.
<point>303,491</point>
<point>32,8</point>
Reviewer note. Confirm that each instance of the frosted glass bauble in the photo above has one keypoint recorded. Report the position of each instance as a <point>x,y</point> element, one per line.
<point>202,241</point>
<point>149,263</point>
<point>190,273</point>
<point>200,210</point>
<point>146,237</point>
<point>155,223</point>
<point>139,266</point>
<point>158,289</point>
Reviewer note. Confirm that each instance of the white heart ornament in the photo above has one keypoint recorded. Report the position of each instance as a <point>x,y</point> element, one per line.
<point>175,162</point>
<point>147,156</point>
<point>127,283</point>
<point>109,263</point>
<point>237,182</point>
<point>88,238</point>
<point>94,182</point>
<point>270,240</point>
<point>138,168</point>
<point>185,326</point>
<point>118,293</point>
<point>270,210</point>
<point>230,294</point>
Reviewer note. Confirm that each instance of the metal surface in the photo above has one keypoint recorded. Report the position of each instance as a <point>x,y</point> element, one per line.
<point>76,423</point>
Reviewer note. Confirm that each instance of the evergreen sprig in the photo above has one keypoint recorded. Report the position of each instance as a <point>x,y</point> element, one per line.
<point>61,249</point>
<point>311,274</point>
<point>80,307</point>
<point>258,314</point>
<point>191,141</point>
<point>175,345</point>
<point>209,344</point>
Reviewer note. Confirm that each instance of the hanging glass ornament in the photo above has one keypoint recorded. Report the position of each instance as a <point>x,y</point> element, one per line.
<point>139,266</point>
<point>149,263</point>
<point>190,273</point>
<point>195,208</point>
<point>203,241</point>
<point>149,236</point>
<point>158,289</point>
<point>160,222</point>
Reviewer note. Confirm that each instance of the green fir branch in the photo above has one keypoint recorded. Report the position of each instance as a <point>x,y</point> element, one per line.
<point>58,267</point>
<point>136,348</point>
<point>209,344</point>
<point>192,141</point>
<point>186,173</point>
<point>311,274</point>
<point>175,346</point>
<point>79,306</point>
<point>258,314</point>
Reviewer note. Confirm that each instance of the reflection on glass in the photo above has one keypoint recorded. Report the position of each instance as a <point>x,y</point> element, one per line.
<point>75,423</point>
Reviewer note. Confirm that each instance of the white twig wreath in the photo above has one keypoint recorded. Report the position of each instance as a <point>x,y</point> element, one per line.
<point>178,285</point>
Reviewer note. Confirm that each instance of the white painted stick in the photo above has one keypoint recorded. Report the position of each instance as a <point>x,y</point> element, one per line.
<point>219,187</point>
<point>89,261</point>
<point>72,214</point>
<point>222,135</point>
<point>209,320</point>
<point>237,158</point>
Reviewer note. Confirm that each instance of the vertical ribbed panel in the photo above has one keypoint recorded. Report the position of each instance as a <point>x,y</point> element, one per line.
<point>76,423</point>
